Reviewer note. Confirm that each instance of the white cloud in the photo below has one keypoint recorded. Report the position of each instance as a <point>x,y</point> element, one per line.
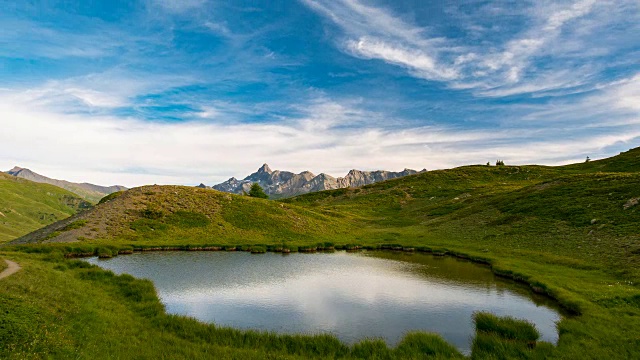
<point>373,33</point>
<point>613,104</point>
<point>362,20</point>
<point>107,150</point>
<point>562,30</point>
<point>420,63</point>
<point>109,89</point>
<point>627,96</point>
<point>218,27</point>
<point>514,59</point>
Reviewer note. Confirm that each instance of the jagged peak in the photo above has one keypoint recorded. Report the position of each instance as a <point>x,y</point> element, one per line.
<point>265,169</point>
<point>324,176</point>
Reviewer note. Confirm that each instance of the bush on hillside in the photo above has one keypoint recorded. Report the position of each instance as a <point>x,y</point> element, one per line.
<point>257,191</point>
<point>111,197</point>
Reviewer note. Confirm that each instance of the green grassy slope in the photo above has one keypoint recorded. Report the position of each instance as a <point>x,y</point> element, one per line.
<point>572,232</point>
<point>175,215</point>
<point>628,161</point>
<point>581,215</point>
<point>26,206</point>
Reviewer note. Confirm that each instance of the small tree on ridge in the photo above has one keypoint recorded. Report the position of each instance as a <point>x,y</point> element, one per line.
<point>257,191</point>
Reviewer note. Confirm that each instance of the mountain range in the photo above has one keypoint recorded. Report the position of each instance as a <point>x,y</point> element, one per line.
<point>89,192</point>
<point>282,184</point>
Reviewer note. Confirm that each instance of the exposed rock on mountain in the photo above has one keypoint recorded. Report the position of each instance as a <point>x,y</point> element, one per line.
<point>87,191</point>
<point>280,184</point>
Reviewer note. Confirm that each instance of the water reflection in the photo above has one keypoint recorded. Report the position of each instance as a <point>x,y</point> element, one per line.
<point>352,295</point>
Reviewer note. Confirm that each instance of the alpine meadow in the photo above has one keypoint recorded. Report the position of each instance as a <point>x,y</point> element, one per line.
<point>459,179</point>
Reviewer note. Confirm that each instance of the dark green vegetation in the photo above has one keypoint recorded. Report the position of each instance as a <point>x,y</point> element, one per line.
<point>257,191</point>
<point>571,232</point>
<point>26,206</point>
<point>507,337</point>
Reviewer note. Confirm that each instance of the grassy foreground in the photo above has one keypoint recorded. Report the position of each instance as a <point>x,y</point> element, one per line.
<point>571,232</point>
<point>60,308</point>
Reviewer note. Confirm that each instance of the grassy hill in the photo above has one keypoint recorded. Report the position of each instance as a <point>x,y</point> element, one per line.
<point>572,232</point>
<point>178,215</point>
<point>628,161</point>
<point>26,206</point>
<point>555,211</point>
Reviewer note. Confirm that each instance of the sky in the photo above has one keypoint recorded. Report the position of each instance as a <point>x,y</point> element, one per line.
<point>191,91</point>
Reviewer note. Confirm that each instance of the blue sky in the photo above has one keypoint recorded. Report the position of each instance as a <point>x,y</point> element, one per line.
<point>183,92</point>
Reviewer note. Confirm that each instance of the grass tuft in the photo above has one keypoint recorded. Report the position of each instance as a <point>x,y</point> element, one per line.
<point>506,327</point>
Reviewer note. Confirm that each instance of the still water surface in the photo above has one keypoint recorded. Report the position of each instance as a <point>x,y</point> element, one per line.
<point>352,295</point>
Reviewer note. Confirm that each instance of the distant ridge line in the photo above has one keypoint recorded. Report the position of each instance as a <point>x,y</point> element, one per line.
<point>85,190</point>
<point>282,184</point>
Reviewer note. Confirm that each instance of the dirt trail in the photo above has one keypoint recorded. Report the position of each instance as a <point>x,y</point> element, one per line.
<point>12,269</point>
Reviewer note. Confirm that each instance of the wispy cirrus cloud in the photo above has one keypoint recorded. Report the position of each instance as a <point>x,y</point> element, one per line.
<point>26,39</point>
<point>540,57</point>
<point>615,104</point>
<point>96,92</point>
<point>177,6</point>
<point>373,33</point>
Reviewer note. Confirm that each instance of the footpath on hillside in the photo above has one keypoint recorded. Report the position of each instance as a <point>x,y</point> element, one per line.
<point>12,269</point>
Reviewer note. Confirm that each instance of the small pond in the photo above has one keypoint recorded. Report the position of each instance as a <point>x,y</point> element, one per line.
<point>352,295</point>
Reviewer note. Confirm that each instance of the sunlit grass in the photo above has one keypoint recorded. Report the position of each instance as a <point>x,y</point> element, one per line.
<point>567,232</point>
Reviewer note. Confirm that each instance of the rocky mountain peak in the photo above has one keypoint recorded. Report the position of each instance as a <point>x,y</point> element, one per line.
<point>265,169</point>
<point>16,168</point>
<point>278,184</point>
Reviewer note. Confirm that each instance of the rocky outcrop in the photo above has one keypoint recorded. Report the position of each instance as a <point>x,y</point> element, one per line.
<point>280,184</point>
<point>87,191</point>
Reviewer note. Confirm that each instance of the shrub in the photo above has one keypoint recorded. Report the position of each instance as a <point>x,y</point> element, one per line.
<point>110,197</point>
<point>152,213</point>
<point>257,191</point>
<point>104,252</point>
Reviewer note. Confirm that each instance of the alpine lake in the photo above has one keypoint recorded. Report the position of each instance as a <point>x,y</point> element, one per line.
<point>353,295</point>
